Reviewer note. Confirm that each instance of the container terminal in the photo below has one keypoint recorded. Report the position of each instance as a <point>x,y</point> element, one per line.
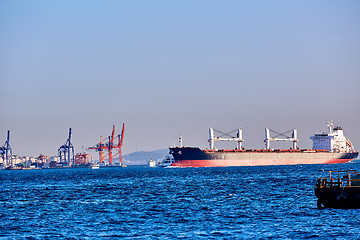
<point>108,150</point>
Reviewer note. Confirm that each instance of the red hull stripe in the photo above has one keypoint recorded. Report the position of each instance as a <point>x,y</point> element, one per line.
<point>253,162</point>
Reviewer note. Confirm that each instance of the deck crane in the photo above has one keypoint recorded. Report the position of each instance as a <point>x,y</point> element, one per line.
<point>109,146</point>
<point>66,151</point>
<point>284,136</point>
<point>225,137</point>
<point>6,151</point>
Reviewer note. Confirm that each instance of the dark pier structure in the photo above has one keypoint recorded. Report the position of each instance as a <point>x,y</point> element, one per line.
<point>341,190</point>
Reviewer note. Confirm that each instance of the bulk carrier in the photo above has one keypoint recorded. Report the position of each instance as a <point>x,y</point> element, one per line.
<point>331,147</point>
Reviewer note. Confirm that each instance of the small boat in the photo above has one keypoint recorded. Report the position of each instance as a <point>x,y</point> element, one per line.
<point>341,190</point>
<point>95,166</point>
<point>152,163</point>
<point>166,162</point>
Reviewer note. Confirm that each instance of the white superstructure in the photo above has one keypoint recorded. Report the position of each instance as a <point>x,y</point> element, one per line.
<point>334,141</point>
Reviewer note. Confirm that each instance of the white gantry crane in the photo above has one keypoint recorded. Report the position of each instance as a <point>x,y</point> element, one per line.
<point>268,138</point>
<point>223,137</point>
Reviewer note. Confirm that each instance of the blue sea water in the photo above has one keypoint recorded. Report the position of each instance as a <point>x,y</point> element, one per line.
<point>276,202</point>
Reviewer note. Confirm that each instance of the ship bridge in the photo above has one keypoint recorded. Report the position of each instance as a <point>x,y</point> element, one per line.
<point>334,141</point>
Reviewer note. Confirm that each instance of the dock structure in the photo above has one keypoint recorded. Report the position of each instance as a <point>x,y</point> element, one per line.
<point>340,190</point>
<point>6,152</point>
<point>109,146</point>
<point>83,159</point>
<point>66,152</point>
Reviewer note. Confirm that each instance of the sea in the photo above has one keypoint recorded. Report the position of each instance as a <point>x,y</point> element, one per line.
<point>140,202</point>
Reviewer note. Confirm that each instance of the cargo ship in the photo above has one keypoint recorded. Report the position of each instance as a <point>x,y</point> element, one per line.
<point>328,148</point>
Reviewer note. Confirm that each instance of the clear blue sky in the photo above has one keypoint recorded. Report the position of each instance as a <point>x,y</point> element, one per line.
<point>176,67</point>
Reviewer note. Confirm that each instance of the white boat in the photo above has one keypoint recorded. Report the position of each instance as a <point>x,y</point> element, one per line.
<point>95,166</point>
<point>166,162</point>
<point>152,163</point>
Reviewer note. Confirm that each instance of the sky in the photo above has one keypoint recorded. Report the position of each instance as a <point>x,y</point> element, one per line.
<point>171,68</point>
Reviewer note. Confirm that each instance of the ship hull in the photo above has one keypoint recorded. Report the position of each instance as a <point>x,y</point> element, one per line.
<point>195,157</point>
<point>338,197</point>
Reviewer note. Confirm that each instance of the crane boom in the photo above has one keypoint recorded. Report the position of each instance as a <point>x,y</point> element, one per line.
<point>109,146</point>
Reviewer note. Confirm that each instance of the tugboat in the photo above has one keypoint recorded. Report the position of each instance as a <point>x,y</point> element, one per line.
<point>339,192</point>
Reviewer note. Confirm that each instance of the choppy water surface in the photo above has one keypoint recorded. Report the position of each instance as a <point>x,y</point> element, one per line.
<point>181,203</point>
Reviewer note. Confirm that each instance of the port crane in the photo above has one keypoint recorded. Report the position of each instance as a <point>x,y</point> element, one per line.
<point>109,146</point>
<point>6,151</point>
<point>66,151</point>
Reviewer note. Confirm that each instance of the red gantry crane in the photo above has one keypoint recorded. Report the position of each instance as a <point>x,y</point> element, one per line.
<point>109,146</point>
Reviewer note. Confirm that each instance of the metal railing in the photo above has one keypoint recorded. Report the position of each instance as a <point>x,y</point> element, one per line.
<point>350,178</point>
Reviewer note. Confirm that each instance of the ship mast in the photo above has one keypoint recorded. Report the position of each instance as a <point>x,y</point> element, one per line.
<point>330,126</point>
<point>181,141</point>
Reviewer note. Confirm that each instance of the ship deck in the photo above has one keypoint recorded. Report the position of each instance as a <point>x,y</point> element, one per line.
<point>264,150</point>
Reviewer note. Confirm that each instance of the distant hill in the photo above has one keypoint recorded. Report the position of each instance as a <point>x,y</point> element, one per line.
<point>143,158</point>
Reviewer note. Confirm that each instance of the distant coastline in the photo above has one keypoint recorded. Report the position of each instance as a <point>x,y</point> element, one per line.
<point>132,159</point>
